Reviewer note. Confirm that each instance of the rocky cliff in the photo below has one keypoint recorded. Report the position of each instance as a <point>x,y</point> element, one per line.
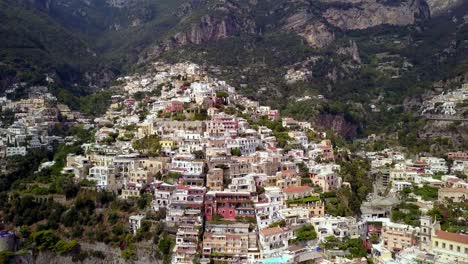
<point>441,6</point>
<point>315,22</point>
<point>205,21</point>
<point>315,32</point>
<point>210,28</point>
<point>368,13</point>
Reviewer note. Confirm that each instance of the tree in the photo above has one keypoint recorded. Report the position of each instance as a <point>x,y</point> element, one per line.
<point>149,145</point>
<point>143,201</point>
<point>236,152</point>
<point>62,247</point>
<point>45,239</point>
<point>70,189</point>
<point>306,233</point>
<point>129,253</point>
<point>165,245</point>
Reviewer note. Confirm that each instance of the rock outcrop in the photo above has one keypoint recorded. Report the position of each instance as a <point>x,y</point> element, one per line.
<point>313,31</point>
<point>209,28</point>
<point>352,50</point>
<point>369,13</point>
<point>440,6</point>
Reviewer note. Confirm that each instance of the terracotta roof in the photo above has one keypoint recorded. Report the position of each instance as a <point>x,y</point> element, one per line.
<point>234,236</point>
<point>288,172</point>
<point>452,236</point>
<point>463,190</point>
<point>271,231</point>
<point>296,189</point>
<point>453,180</point>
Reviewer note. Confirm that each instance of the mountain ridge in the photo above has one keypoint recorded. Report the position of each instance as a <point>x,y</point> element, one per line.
<point>353,51</point>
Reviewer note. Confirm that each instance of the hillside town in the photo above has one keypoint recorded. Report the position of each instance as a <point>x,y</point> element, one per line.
<point>238,182</point>
<point>452,103</point>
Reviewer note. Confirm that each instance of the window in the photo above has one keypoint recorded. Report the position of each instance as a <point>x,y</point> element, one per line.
<point>443,245</point>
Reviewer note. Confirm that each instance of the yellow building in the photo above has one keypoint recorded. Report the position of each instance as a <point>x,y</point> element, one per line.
<point>397,237</point>
<point>450,247</point>
<point>167,143</point>
<point>154,165</point>
<point>214,179</point>
<point>128,193</point>
<point>457,195</point>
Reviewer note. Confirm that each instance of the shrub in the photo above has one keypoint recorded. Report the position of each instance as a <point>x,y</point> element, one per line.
<point>62,247</point>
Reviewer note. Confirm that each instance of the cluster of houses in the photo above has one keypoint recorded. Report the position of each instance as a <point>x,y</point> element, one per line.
<point>226,181</point>
<point>33,121</point>
<point>426,242</point>
<point>448,103</point>
<point>220,173</point>
<point>237,189</point>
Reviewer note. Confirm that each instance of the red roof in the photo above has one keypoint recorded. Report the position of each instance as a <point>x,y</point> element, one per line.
<point>271,231</point>
<point>286,172</point>
<point>452,236</point>
<point>297,189</point>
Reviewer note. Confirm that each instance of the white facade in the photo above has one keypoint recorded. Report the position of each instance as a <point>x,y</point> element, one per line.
<point>340,227</point>
<point>100,175</point>
<point>247,146</point>
<point>268,212</point>
<point>274,241</point>
<point>14,151</point>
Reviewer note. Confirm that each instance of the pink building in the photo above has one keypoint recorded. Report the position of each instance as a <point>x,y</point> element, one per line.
<point>228,204</point>
<point>274,115</point>
<point>174,107</point>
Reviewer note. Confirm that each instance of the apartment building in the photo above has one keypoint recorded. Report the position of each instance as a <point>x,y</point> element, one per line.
<point>397,237</point>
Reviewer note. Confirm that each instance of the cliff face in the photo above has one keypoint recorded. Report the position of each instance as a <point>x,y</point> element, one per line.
<point>184,22</point>
<point>369,13</point>
<point>203,21</point>
<point>315,32</point>
<point>440,6</point>
<point>314,22</point>
<point>211,28</point>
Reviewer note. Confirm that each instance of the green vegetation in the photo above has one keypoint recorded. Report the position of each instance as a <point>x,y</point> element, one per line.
<point>451,216</point>
<point>303,200</point>
<point>355,246</point>
<point>428,193</point>
<point>236,152</point>
<point>406,213</point>
<point>88,102</point>
<point>33,45</point>
<point>149,145</point>
<point>5,256</point>
<point>281,223</point>
<point>305,233</point>
<point>346,201</point>
<point>165,245</point>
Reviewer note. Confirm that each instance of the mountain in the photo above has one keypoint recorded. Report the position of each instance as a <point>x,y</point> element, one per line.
<point>33,45</point>
<point>77,34</point>
<point>364,56</point>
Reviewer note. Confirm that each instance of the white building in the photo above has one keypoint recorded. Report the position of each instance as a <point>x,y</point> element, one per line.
<point>187,164</point>
<point>340,227</point>
<point>134,222</point>
<point>398,186</point>
<point>436,164</point>
<point>274,241</point>
<point>15,151</point>
<point>247,146</point>
<point>103,176</point>
<point>267,211</point>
